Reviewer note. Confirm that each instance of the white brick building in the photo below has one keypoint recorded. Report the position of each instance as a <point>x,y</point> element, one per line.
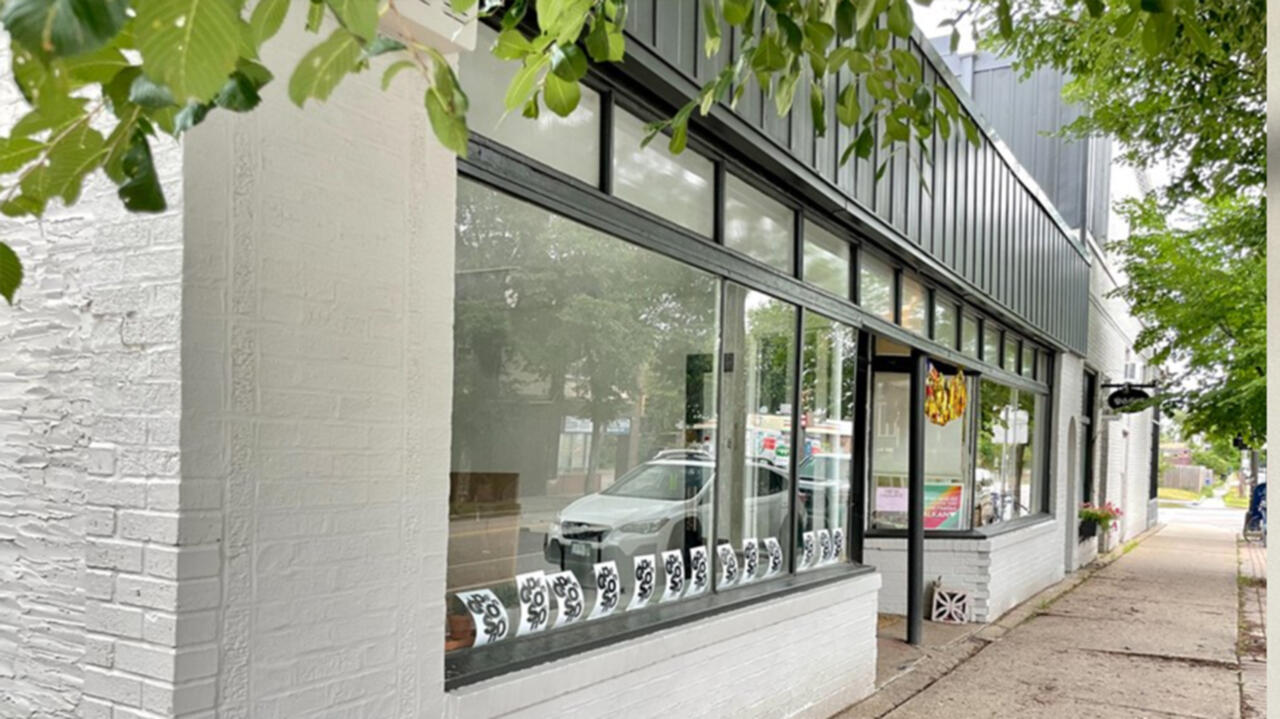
<point>247,471</point>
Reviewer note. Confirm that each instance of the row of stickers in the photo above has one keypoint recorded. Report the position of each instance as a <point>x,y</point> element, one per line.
<point>536,590</point>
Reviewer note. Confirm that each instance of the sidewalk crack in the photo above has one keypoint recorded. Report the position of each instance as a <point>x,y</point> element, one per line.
<point>1174,658</point>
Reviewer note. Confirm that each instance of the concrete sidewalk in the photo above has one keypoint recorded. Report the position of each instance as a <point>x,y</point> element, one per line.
<point>1151,635</point>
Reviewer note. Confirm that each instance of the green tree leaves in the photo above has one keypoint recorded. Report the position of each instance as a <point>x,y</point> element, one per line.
<point>360,17</point>
<point>189,45</point>
<point>63,27</point>
<point>447,106</point>
<point>324,66</point>
<point>10,272</point>
<point>1198,283</point>
<point>153,66</point>
<point>72,153</point>
<point>140,192</point>
<point>267,18</point>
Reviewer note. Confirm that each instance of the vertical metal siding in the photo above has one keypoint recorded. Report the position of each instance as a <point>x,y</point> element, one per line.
<point>978,218</point>
<point>640,20</point>
<point>675,32</point>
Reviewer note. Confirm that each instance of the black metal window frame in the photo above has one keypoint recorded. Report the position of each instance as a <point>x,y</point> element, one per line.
<point>593,205</point>
<point>497,165</point>
<point>1044,512</point>
<point>614,91</point>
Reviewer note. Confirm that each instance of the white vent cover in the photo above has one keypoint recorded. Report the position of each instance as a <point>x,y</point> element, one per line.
<point>953,606</point>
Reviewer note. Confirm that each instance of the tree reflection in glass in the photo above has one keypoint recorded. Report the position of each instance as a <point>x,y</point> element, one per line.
<point>759,336</point>
<point>827,383</point>
<point>1007,480</point>
<point>583,366</point>
<point>875,286</point>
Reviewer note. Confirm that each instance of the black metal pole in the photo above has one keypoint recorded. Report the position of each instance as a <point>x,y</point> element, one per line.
<point>861,409</point>
<point>915,499</point>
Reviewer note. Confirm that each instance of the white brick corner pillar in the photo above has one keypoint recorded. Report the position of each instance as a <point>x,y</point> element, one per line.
<point>317,389</point>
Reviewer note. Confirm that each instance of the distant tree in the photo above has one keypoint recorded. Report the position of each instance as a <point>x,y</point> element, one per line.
<point>1200,289</point>
<point>1218,456</point>
<point>1184,87</point>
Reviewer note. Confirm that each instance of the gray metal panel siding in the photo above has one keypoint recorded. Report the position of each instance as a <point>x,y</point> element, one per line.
<point>978,218</point>
<point>709,67</point>
<point>801,125</point>
<point>1028,114</point>
<point>676,33</point>
<point>1101,206</point>
<point>640,20</point>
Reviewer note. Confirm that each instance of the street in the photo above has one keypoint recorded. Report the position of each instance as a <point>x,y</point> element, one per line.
<point>1210,512</point>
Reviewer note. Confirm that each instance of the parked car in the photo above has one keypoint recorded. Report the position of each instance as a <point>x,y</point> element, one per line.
<point>822,480</point>
<point>659,505</point>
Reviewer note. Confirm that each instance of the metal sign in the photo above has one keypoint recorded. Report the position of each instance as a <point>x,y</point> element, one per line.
<point>1128,394</point>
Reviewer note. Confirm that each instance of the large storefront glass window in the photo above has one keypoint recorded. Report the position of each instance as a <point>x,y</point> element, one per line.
<point>758,225</point>
<point>757,385</point>
<point>569,144</point>
<point>680,188</point>
<point>826,260</point>
<point>824,475</point>
<point>947,453</point>
<point>1008,477</point>
<point>583,423</point>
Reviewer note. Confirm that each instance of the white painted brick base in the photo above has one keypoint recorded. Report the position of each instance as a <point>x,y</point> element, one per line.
<point>999,572</point>
<point>807,654</point>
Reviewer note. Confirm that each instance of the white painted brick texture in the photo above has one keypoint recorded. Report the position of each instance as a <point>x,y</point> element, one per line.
<point>807,654</point>
<point>317,379</point>
<point>1124,471</point>
<point>89,407</point>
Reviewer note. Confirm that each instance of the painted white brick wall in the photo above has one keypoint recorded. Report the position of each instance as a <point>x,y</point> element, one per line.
<point>1123,474</point>
<point>960,563</point>
<point>807,654</point>
<point>1023,563</point>
<point>89,464</point>
<point>1006,569</point>
<point>317,383</point>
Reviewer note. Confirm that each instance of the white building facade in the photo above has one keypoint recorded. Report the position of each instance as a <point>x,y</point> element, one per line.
<point>343,431</point>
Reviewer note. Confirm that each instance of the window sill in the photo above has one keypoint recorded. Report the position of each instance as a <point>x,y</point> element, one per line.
<point>469,666</point>
<point>987,532</point>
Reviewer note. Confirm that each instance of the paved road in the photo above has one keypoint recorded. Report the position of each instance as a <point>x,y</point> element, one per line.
<point>1151,635</point>
<point>1209,513</point>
